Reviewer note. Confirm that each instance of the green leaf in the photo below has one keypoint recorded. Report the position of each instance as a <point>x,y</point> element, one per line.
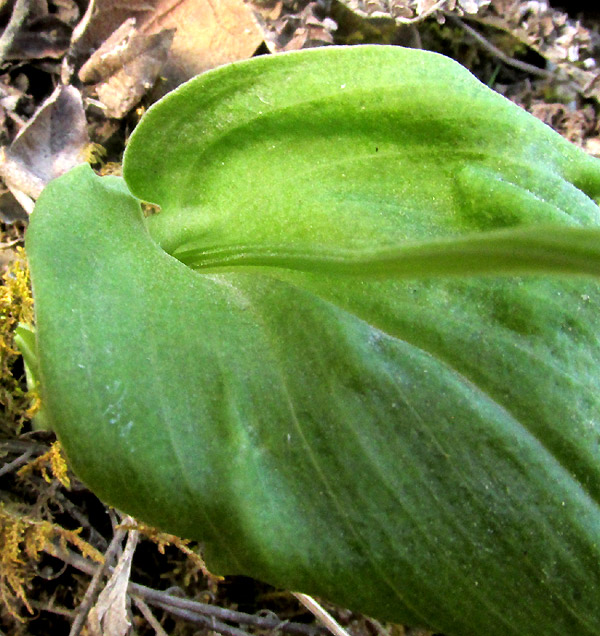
<point>278,366</point>
<point>26,342</point>
<point>277,155</point>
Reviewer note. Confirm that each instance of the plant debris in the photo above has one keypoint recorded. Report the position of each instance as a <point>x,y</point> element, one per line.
<point>289,27</point>
<point>52,142</point>
<point>109,614</point>
<point>125,67</point>
<point>570,50</point>
<point>207,34</point>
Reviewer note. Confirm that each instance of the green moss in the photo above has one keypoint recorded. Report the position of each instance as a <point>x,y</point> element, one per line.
<point>16,306</point>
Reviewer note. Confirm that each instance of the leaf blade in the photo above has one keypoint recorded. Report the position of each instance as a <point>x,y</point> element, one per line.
<point>349,158</point>
<point>395,543</point>
<point>349,436</point>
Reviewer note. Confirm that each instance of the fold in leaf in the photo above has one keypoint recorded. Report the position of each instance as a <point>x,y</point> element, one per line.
<point>521,250</point>
<point>310,397</point>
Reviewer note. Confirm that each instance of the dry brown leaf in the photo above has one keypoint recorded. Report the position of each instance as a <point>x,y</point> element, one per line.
<point>109,615</point>
<point>399,10</point>
<point>118,49</point>
<point>124,89</point>
<point>53,141</point>
<point>208,33</point>
<point>592,146</point>
<point>45,36</point>
<point>403,11</point>
<point>67,10</point>
<point>126,66</point>
<point>101,19</point>
<point>10,94</point>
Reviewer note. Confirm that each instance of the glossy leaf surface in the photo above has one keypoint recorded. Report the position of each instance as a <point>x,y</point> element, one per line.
<point>279,364</point>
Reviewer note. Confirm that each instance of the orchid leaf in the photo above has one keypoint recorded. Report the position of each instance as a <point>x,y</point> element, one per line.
<point>356,353</point>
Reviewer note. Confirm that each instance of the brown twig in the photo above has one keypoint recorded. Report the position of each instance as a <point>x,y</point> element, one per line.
<point>496,52</point>
<point>5,246</point>
<point>187,608</point>
<point>149,616</point>
<point>95,538</point>
<point>199,619</point>
<point>212,615</point>
<point>22,446</point>
<point>50,607</point>
<point>168,601</point>
<point>16,463</point>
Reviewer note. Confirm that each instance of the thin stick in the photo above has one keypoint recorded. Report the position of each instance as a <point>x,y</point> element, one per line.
<point>155,597</point>
<point>16,463</point>
<point>95,538</point>
<point>186,608</point>
<point>50,607</point>
<point>23,445</point>
<point>321,613</point>
<point>149,616</point>
<point>208,621</point>
<point>486,44</point>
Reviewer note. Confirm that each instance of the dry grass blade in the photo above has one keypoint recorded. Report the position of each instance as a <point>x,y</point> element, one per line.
<point>94,586</point>
<point>321,613</point>
<point>109,616</point>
